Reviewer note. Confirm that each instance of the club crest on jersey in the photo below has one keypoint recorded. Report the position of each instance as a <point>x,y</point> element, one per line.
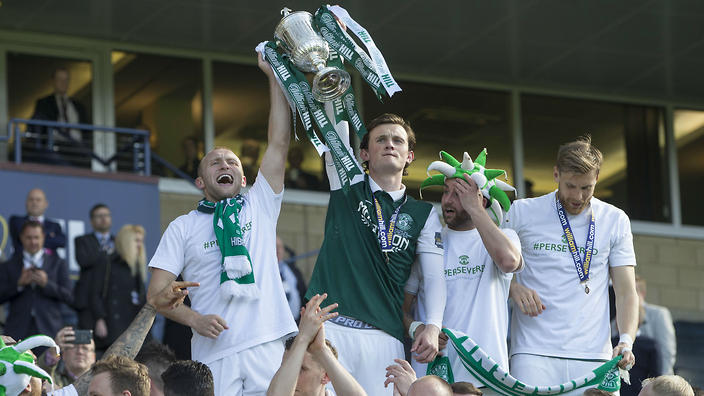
<point>404,222</point>
<point>464,259</point>
<point>438,240</point>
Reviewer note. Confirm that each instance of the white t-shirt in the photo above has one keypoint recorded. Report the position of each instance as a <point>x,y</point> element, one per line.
<point>188,247</point>
<point>477,295</point>
<point>574,324</point>
<point>69,390</point>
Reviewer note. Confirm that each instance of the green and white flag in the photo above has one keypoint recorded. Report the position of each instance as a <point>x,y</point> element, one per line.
<point>606,377</point>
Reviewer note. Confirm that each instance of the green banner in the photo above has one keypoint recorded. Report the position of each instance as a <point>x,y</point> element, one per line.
<point>606,377</point>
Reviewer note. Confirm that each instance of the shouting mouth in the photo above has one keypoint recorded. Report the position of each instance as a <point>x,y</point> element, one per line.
<point>225,179</point>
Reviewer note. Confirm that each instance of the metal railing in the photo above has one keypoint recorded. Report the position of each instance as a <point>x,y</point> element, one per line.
<point>50,138</point>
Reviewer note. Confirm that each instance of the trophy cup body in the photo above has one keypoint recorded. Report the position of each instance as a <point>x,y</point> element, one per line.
<point>309,53</point>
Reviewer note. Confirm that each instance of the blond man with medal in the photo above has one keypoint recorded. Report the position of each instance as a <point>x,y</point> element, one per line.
<point>572,245</point>
<point>373,234</point>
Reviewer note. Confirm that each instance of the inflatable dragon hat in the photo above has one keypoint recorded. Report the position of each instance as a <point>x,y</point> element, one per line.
<point>17,365</point>
<point>486,179</point>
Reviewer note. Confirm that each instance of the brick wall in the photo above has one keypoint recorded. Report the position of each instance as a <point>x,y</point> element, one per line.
<point>674,271</point>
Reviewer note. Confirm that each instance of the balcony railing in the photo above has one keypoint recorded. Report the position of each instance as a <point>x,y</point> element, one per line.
<point>52,142</point>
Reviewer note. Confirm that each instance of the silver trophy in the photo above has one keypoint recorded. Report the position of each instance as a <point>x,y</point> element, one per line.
<point>309,52</point>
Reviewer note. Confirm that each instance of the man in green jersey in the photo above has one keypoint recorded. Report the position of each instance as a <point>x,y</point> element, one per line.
<point>373,234</point>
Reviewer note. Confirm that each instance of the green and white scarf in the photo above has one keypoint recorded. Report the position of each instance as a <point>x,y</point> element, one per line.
<point>606,377</point>
<point>237,275</point>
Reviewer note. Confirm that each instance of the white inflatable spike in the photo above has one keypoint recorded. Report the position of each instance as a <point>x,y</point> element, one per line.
<point>442,167</point>
<point>504,186</point>
<point>467,163</point>
<point>480,179</point>
<point>495,213</point>
<point>35,341</point>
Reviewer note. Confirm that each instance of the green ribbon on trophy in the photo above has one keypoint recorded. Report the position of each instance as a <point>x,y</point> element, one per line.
<point>299,91</point>
<point>299,48</point>
<point>345,107</point>
<point>485,369</point>
<point>374,72</point>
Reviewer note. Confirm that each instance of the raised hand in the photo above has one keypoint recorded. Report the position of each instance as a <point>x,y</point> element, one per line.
<point>313,317</point>
<point>172,295</point>
<point>401,375</point>
<point>470,196</point>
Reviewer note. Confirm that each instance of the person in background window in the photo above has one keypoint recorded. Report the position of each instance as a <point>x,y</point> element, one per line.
<point>250,159</point>
<point>119,291</point>
<point>60,107</point>
<point>191,155</point>
<point>296,177</point>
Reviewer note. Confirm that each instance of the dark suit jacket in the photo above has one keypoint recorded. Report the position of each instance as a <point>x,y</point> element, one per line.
<point>53,236</point>
<point>46,302</point>
<point>89,257</point>
<point>47,109</point>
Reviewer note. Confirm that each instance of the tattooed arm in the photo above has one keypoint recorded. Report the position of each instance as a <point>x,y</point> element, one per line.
<point>130,341</point>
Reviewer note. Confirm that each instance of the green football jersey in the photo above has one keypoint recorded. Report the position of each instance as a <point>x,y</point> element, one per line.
<point>351,267</point>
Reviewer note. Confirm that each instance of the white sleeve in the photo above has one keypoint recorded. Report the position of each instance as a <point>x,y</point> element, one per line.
<point>413,282</point>
<point>516,242</point>
<point>264,199</point>
<point>512,219</point>
<point>434,290</point>
<point>430,239</point>
<point>343,131</point>
<point>170,255</point>
<point>621,252</point>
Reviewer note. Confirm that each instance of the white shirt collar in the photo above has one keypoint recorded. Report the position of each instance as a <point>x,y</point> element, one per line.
<point>395,195</point>
<point>37,218</point>
<point>101,235</point>
<point>33,259</point>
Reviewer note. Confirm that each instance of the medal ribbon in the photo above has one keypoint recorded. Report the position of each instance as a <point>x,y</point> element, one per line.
<point>582,265</point>
<point>386,234</point>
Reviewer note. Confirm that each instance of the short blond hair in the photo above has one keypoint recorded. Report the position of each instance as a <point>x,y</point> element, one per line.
<point>669,385</point>
<point>201,164</point>
<point>579,156</point>
<point>125,374</point>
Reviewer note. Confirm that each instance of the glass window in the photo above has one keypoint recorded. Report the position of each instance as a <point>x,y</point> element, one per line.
<point>452,119</point>
<point>689,139</point>
<point>51,89</point>
<point>161,94</point>
<point>630,137</point>
<point>241,112</point>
